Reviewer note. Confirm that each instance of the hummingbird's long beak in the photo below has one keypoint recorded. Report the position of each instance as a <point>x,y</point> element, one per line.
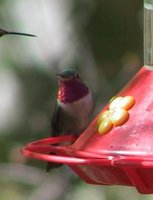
<point>25,34</point>
<point>3,32</point>
<point>60,75</point>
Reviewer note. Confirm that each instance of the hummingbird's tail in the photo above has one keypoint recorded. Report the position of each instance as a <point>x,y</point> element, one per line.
<point>51,165</point>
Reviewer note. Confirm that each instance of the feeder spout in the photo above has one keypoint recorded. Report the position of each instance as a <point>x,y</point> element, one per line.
<point>148,33</point>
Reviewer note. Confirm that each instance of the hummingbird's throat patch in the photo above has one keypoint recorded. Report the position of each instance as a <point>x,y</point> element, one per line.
<point>72,91</point>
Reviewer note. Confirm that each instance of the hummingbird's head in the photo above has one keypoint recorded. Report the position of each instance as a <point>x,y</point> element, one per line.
<point>68,75</point>
<point>71,87</point>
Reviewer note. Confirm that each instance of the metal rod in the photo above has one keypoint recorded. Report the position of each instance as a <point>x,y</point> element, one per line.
<point>148,33</point>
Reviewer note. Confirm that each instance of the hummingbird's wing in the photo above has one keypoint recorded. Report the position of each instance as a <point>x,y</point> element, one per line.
<point>57,128</point>
<point>56,122</point>
<point>59,122</point>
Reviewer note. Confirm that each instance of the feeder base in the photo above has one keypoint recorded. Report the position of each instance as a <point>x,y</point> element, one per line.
<point>104,170</point>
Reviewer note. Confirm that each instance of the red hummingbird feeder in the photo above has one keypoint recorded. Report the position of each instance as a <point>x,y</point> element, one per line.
<point>117,147</point>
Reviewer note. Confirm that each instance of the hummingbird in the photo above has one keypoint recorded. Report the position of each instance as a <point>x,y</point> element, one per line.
<point>3,32</point>
<point>73,108</point>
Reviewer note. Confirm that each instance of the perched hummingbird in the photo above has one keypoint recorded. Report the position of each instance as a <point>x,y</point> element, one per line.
<point>3,32</point>
<point>73,108</point>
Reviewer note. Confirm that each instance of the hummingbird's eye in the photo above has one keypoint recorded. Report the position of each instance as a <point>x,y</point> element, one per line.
<point>77,76</point>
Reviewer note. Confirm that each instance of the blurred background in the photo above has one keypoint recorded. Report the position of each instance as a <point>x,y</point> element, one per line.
<point>101,39</point>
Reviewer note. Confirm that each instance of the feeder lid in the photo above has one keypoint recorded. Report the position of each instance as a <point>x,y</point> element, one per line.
<point>125,125</point>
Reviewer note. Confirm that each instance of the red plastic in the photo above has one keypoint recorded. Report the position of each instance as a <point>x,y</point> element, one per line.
<point>123,156</point>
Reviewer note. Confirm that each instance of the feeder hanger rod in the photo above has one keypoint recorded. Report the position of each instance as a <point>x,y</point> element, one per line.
<point>148,33</point>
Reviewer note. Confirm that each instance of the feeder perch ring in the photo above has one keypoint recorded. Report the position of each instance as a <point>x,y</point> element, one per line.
<point>46,150</point>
